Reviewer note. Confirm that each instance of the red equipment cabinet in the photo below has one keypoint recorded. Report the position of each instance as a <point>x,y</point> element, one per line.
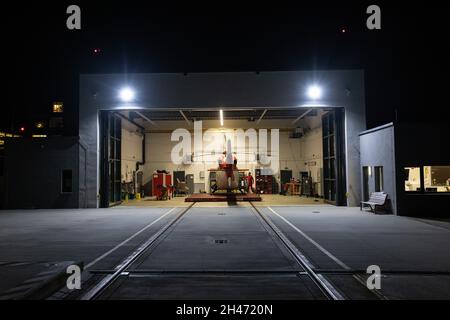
<point>162,183</point>
<point>168,179</point>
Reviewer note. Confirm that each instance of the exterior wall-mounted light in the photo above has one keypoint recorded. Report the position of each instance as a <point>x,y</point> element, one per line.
<point>314,92</point>
<point>127,94</point>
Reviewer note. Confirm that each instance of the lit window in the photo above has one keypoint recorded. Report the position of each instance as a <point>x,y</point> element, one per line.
<point>39,136</point>
<point>436,178</point>
<point>2,142</point>
<point>412,179</point>
<point>58,107</point>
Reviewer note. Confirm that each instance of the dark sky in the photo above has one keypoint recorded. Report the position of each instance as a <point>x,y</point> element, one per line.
<point>406,63</point>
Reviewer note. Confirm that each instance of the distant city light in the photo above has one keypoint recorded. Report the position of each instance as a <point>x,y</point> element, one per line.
<point>314,92</point>
<point>127,95</point>
<point>8,135</point>
<point>39,125</point>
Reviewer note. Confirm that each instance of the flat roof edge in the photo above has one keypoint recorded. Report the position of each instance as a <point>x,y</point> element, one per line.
<point>223,72</point>
<point>384,126</point>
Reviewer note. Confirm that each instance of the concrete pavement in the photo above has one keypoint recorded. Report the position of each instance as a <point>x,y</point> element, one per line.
<point>413,255</point>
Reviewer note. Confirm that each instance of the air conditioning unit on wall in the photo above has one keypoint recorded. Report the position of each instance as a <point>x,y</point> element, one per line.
<point>297,133</point>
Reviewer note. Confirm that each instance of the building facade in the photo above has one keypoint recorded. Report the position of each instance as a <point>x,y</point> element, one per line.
<point>343,90</point>
<point>43,173</point>
<point>409,162</point>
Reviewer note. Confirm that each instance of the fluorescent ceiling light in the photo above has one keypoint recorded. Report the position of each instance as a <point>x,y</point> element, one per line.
<point>221,117</point>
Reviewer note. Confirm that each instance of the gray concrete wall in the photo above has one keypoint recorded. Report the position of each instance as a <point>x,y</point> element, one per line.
<point>2,192</point>
<point>2,170</point>
<point>343,88</point>
<point>82,176</point>
<point>33,169</point>
<point>378,149</point>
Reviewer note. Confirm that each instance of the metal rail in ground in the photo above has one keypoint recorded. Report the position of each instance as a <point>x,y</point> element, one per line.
<point>356,274</point>
<point>321,282</point>
<point>108,280</point>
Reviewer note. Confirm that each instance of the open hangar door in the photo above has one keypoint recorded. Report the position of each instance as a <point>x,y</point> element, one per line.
<point>122,156</point>
<point>311,145</point>
<point>334,170</point>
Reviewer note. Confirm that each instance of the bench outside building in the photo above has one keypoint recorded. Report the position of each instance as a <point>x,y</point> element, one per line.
<point>377,200</point>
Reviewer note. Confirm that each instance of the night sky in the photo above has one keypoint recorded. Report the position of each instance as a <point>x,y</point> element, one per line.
<point>406,63</point>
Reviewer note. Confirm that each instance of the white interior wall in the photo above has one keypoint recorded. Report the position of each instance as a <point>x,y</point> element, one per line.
<point>290,155</point>
<point>311,149</point>
<point>131,152</point>
<point>159,148</point>
<point>301,154</point>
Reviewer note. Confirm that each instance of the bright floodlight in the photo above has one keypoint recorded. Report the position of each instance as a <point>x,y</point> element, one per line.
<point>126,95</point>
<point>314,92</point>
